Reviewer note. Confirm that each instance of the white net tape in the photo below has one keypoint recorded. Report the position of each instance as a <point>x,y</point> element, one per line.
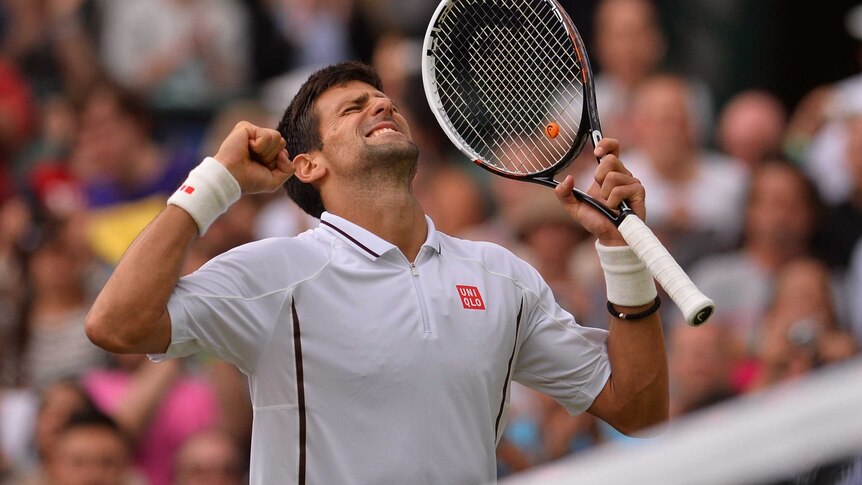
<point>760,438</point>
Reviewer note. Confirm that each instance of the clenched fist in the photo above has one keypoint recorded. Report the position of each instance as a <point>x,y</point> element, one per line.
<point>256,158</point>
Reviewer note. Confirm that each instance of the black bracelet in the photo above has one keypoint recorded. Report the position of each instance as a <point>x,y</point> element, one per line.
<point>635,316</point>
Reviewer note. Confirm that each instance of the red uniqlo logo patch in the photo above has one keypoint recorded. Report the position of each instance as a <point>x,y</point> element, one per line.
<point>470,297</point>
<point>187,189</point>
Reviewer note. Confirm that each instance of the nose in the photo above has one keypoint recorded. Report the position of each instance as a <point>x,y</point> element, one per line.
<point>382,105</point>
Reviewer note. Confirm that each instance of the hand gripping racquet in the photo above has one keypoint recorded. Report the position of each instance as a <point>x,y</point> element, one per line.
<point>510,83</point>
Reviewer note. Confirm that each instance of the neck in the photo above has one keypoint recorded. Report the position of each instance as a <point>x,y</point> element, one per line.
<point>393,215</point>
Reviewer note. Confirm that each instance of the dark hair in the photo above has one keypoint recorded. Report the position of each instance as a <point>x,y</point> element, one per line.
<point>94,418</point>
<point>299,125</point>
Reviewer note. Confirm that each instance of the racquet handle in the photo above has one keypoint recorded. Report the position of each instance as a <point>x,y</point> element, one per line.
<point>695,306</point>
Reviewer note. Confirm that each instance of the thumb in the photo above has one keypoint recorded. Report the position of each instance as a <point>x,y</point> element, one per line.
<point>564,191</point>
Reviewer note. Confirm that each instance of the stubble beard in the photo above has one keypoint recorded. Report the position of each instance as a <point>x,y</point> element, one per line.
<point>390,164</point>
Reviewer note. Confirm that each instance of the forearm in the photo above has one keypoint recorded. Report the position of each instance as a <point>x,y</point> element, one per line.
<point>129,315</point>
<point>638,384</point>
<point>636,395</point>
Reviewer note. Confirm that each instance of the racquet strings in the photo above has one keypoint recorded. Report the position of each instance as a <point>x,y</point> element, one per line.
<point>506,74</point>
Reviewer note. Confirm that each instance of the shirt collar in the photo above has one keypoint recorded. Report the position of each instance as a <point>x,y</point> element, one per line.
<point>368,243</point>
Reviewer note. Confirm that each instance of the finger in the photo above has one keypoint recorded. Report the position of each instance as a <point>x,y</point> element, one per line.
<point>622,193</point>
<point>273,152</point>
<point>270,151</point>
<point>282,169</point>
<point>264,140</point>
<point>564,190</point>
<point>235,149</point>
<point>607,146</point>
<point>267,146</point>
<point>610,163</point>
<point>614,179</point>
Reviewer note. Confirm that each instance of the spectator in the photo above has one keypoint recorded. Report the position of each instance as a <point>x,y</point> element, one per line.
<point>842,222</point>
<point>15,229</point>
<point>507,198</point>
<point>540,430</point>
<point>157,406</point>
<point>126,175</point>
<point>55,345</point>
<point>318,29</point>
<point>53,42</point>
<point>54,137</point>
<point>801,331</point>
<point>180,54</point>
<point>630,48</point>
<point>751,127</point>
<point>817,136</point>
<point>90,450</point>
<point>701,362</point>
<point>57,404</point>
<point>89,169</point>
<point>780,221</point>
<point>551,243</point>
<point>696,195</point>
<point>209,458</point>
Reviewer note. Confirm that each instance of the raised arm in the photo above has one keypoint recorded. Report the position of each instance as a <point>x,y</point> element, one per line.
<point>130,314</point>
<point>636,394</point>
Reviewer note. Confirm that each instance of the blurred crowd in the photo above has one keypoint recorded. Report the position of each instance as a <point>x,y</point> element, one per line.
<point>105,105</point>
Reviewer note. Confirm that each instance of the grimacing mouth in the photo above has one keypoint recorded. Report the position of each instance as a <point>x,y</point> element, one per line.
<point>382,128</point>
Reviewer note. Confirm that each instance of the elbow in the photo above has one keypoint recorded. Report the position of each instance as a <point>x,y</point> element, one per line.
<point>644,421</point>
<point>96,328</point>
<point>646,428</point>
<point>102,331</point>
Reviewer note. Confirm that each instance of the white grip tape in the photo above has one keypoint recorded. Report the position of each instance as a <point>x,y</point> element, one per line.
<point>207,193</point>
<point>694,305</point>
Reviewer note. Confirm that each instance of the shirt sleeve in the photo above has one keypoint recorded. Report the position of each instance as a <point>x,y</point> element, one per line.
<point>225,310</point>
<point>557,356</point>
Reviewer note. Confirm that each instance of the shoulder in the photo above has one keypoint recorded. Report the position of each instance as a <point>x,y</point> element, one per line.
<point>471,249</point>
<point>272,262</point>
<point>489,257</point>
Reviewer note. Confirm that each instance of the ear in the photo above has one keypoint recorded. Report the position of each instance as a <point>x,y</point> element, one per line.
<point>309,167</point>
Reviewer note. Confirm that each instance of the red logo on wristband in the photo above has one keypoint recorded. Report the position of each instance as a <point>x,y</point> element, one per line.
<point>187,189</point>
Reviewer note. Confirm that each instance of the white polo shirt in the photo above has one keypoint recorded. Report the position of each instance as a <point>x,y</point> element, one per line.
<point>365,368</point>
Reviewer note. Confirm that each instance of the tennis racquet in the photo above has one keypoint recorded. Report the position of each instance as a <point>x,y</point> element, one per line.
<point>510,83</point>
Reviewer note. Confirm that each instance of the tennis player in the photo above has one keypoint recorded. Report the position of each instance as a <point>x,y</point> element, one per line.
<point>378,350</point>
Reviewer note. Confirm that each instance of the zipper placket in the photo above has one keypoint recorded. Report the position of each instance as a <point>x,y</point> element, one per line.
<point>417,284</point>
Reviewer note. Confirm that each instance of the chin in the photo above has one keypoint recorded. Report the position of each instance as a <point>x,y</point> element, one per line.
<point>396,152</point>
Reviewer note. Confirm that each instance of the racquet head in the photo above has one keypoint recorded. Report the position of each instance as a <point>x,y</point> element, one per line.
<point>510,84</point>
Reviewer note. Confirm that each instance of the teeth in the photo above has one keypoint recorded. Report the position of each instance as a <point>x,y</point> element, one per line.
<point>381,131</point>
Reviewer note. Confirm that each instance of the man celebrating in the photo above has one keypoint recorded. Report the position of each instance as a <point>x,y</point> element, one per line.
<point>378,350</point>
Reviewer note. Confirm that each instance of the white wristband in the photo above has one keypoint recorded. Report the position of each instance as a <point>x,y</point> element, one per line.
<point>628,281</point>
<point>207,193</point>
